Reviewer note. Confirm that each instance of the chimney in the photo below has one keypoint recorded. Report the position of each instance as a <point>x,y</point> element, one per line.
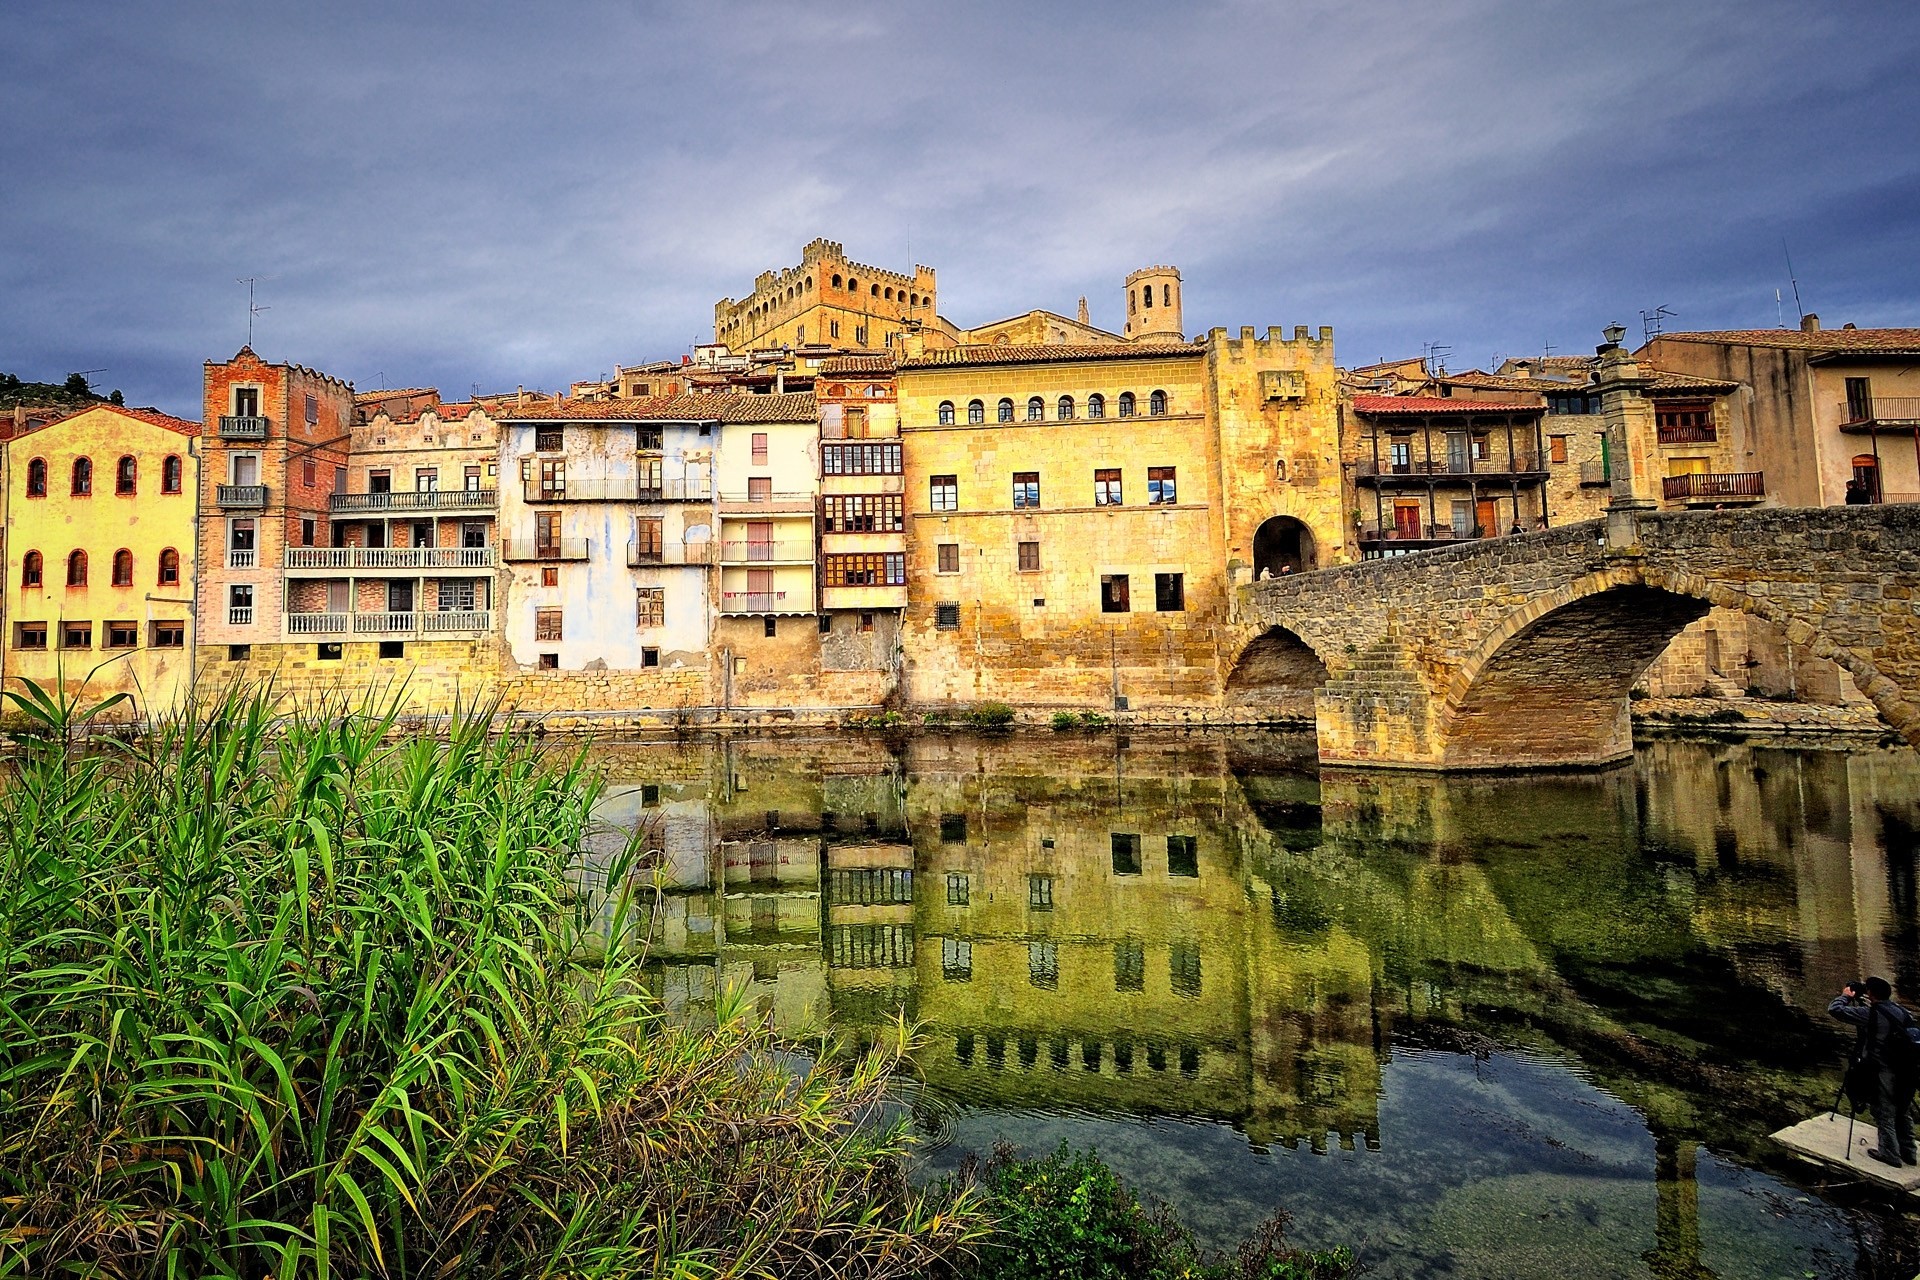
<point>1523,368</point>
<point>1809,323</point>
<point>1083,311</point>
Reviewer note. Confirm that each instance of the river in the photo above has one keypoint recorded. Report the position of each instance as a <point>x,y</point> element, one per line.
<point>1516,1026</point>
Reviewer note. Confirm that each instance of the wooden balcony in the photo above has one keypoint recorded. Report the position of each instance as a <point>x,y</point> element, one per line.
<point>1744,487</point>
<point>1524,468</point>
<point>414,500</point>
<point>1702,433</point>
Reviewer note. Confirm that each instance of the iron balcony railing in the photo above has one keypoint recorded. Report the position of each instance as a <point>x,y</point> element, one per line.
<point>1436,533</point>
<point>1716,484</point>
<point>240,495</point>
<point>390,624</point>
<point>241,426</point>
<point>1892,410</point>
<point>1494,465</point>
<point>389,558</point>
<point>671,553</point>
<point>415,500</point>
<point>751,552</point>
<point>618,489</point>
<point>516,549</point>
<point>1697,433</point>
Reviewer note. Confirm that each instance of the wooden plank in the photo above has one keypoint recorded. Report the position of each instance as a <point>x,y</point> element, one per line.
<point>1824,1140</point>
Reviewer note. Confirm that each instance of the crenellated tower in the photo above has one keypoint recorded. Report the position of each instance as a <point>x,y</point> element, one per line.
<point>1153,305</point>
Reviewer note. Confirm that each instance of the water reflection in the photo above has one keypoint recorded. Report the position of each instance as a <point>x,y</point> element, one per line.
<point>1420,1004</point>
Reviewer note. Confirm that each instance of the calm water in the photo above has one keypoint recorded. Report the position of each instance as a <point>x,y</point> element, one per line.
<point>1513,1027</point>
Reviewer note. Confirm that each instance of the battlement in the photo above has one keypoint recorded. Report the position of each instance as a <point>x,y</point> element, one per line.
<point>1249,345</point>
<point>1133,277</point>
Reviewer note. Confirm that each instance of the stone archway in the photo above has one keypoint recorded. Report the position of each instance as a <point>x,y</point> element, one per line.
<point>1275,678</point>
<point>1283,545</point>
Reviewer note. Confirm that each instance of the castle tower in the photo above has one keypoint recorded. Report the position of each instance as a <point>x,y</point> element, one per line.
<point>1153,305</point>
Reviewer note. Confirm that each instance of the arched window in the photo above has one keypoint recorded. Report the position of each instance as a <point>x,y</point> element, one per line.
<point>123,568</point>
<point>876,291</point>
<point>77,569</point>
<point>853,286</point>
<point>37,478</point>
<point>126,476</point>
<point>1096,405</point>
<point>1006,411</point>
<point>809,284</point>
<point>82,477</point>
<point>169,568</point>
<point>33,569</point>
<point>836,282</point>
<point>170,472</point>
<point>1157,403</point>
<point>888,295</point>
<point>1036,409</point>
<point>1064,409</point>
<point>946,413</point>
<point>1126,404</point>
<point>976,411</point>
<point>1146,295</point>
<point>913,299</point>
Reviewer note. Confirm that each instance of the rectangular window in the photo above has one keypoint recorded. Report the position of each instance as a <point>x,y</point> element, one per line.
<point>860,334</point>
<point>339,480</point>
<point>949,553</point>
<point>869,458</point>
<point>473,536</point>
<point>759,448</point>
<point>239,652</point>
<point>426,479</point>
<point>470,479</point>
<point>1129,965</point>
<point>650,657</point>
<point>1557,448</point>
<point>866,619</point>
<point>759,488</point>
<point>313,410</point>
<point>553,480</point>
<point>1026,489</point>
<point>953,828</point>
<point>76,635</point>
<point>957,889</point>
<point>328,651</point>
<point>649,538</point>
<point>833,328</point>
<point>946,617</point>
<point>1114,594</point>
<point>1039,893</point>
<point>309,473</point>
<point>856,423</point>
<point>458,595</point>
<point>650,606</point>
<point>30,635</point>
<point>546,533</point>
<point>246,402</point>
<point>867,569</point>
<point>865,513</point>
<point>123,635</point>
<point>1126,854</point>
<point>548,439</point>
<point>1106,487</point>
<point>1029,553</point>
<point>549,662</point>
<point>943,493</point>
<point>770,627</point>
<point>1482,449</point>
<point>380,480</point>
<point>393,649</point>
<point>1183,856</point>
<point>1160,486</point>
<point>169,635</point>
<point>956,964</point>
<point>1169,592</point>
<point>1184,969</point>
<point>1043,963</point>
<point>549,575</point>
<point>306,531</point>
<point>547,624</point>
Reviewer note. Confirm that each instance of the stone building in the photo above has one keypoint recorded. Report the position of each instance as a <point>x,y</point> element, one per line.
<point>1076,516</point>
<point>828,301</point>
<point>1432,470</point>
<point>100,557</point>
<point>863,541</point>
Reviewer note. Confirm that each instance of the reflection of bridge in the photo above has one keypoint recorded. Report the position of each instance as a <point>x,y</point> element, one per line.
<point>1521,651</point>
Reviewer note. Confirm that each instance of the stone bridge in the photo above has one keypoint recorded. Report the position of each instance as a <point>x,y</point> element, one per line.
<point>1520,651</point>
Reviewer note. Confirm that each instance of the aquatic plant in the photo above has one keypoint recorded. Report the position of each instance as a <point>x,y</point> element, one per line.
<point>307,997</point>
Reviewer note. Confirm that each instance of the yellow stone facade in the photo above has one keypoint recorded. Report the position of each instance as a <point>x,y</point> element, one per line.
<point>828,300</point>
<point>100,569</point>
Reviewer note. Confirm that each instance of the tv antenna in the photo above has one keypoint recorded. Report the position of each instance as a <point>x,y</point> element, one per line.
<point>1546,349</point>
<point>1652,322</point>
<point>253,308</point>
<point>1798,309</point>
<point>1436,356</point>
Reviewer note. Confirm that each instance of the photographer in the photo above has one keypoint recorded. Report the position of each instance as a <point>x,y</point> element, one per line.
<point>1881,1071</point>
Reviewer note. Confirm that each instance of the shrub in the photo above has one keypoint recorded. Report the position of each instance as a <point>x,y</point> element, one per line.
<point>1064,721</point>
<point>990,715</point>
<point>1093,720</point>
<point>1068,1216</point>
<point>875,720</point>
<point>335,1002</point>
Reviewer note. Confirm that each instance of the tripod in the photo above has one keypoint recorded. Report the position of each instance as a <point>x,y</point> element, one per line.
<point>1852,1110</point>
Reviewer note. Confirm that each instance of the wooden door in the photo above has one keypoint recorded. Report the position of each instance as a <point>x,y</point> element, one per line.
<point>1406,519</point>
<point>1486,517</point>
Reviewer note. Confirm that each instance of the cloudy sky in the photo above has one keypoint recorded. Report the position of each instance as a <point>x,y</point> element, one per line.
<point>497,194</point>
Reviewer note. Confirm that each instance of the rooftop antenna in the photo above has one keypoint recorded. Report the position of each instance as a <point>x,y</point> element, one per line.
<point>1546,350</point>
<point>1651,322</point>
<point>1779,311</point>
<point>253,309</point>
<point>1437,354</point>
<point>1798,309</point>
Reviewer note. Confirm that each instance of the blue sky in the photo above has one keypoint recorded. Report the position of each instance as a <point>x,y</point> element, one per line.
<point>499,194</point>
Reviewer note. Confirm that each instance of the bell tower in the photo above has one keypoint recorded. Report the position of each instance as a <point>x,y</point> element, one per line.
<point>1153,305</point>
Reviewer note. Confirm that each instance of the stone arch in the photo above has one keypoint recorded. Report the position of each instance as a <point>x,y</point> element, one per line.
<point>1275,677</point>
<point>1283,544</point>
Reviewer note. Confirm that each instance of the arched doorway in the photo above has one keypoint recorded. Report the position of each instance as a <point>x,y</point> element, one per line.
<point>1282,545</point>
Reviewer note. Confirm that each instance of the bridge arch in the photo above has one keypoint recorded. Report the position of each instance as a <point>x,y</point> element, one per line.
<point>1275,676</point>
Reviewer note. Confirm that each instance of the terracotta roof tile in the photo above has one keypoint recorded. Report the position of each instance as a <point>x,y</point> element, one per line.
<point>1380,406</point>
<point>363,397</point>
<point>1863,340</point>
<point>1506,382</point>
<point>1049,354</point>
<point>794,406</point>
<point>856,364</point>
<point>1664,381</point>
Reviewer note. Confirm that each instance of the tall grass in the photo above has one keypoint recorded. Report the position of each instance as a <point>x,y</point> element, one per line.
<point>309,999</point>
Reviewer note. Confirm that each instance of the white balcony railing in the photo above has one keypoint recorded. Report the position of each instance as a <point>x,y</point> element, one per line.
<point>242,557</point>
<point>390,557</point>
<point>391,624</point>
<point>445,620</point>
<point>415,500</point>
<point>316,624</point>
<point>240,615</point>
<point>754,552</point>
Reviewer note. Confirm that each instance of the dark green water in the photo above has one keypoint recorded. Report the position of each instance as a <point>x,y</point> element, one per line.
<point>1501,1027</point>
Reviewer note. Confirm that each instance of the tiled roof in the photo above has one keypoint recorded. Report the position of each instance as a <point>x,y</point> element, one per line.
<point>1380,406</point>
<point>1862,340</point>
<point>151,416</point>
<point>793,406</point>
<point>1506,382</point>
<point>1664,381</point>
<point>363,397</point>
<point>856,364</point>
<point>955,356</point>
<point>1566,363</point>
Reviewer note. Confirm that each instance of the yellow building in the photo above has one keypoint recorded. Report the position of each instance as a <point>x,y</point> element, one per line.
<point>827,300</point>
<point>100,559</point>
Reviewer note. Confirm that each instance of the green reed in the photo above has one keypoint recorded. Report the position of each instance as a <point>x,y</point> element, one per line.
<point>304,996</point>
